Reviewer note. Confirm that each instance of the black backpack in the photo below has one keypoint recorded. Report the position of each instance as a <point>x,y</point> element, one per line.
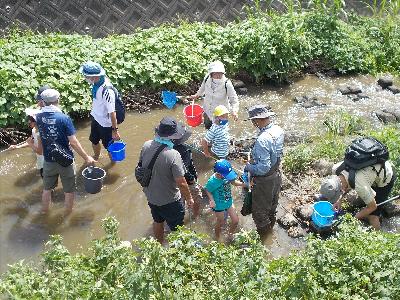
<point>363,152</point>
<point>119,105</point>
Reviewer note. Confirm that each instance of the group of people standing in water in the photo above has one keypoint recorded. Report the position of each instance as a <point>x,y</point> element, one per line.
<point>173,179</point>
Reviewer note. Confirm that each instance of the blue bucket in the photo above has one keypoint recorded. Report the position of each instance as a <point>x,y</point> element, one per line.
<point>323,214</point>
<point>169,98</point>
<point>117,150</point>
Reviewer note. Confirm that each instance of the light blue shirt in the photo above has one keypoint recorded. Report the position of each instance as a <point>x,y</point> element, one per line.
<point>267,149</point>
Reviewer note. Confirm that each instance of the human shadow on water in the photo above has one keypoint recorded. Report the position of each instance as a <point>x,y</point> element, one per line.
<point>30,177</point>
<point>81,218</point>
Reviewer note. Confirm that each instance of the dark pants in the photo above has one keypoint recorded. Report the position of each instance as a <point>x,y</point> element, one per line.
<point>265,196</point>
<point>207,121</point>
<point>382,194</point>
<point>98,132</point>
<point>172,213</point>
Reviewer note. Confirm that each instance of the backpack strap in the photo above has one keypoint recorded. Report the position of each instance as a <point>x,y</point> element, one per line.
<point>153,160</point>
<point>109,87</point>
<point>226,81</point>
<point>339,169</point>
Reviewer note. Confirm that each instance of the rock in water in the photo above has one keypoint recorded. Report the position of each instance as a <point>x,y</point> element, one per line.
<point>385,82</point>
<point>305,212</point>
<point>288,220</point>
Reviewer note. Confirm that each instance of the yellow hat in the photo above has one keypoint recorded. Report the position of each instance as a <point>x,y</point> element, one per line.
<point>220,110</point>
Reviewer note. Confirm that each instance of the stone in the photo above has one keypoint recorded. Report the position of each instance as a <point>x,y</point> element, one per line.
<point>353,200</point>
<point>238,83</point>
<point>288,220</point>
<point>300,99</point>
<point>385,82</point>
<point>242,91</point>
<point>296,232</point>
<point>350,89</point>
<point>286,183</point>
<point>312,103</point>
<point>323,167</point>
<point>362,96</point>
<point>394,89</point>
<point>385,117</point>
<point>293,138</point>
<point>305,211</point>
<point>353,97</point>
<point>390,209</point>
<point>394,112</point>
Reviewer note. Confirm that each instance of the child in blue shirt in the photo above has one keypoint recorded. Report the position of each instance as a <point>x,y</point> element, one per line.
<point>218,189</point>
<point>218,135</point>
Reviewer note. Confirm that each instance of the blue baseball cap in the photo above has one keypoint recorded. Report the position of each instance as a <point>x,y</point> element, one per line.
<point>91,68</point>
<point>224,167</point>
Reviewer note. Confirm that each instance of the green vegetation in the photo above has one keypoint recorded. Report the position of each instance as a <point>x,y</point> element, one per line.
<point>268,44</point>
<point>356,264</point>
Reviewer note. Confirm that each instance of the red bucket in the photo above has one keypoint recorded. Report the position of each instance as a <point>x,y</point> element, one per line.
<point>193,114</point>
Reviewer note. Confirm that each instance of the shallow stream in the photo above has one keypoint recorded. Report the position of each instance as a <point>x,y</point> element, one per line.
<point>23,231</point>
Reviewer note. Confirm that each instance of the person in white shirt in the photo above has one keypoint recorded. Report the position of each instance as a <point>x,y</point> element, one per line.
<point>217,90</point>
<point>104,119</point>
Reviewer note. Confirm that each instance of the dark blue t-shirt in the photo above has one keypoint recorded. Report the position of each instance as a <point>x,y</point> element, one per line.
<point>54,127</point>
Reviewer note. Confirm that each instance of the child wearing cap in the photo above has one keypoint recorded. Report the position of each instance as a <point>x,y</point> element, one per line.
<point>218,135</point>
<point>33,140</point>
<point>218,189</point>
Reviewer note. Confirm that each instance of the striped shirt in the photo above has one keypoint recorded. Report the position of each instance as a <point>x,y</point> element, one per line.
<point>103,105</point>
<point>218,137</point>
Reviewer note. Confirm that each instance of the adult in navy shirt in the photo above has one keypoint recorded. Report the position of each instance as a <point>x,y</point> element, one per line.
<point>57,128</point>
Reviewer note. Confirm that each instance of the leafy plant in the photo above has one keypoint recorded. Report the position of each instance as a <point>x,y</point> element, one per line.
<point>191,268</point>
<point>343,123</point>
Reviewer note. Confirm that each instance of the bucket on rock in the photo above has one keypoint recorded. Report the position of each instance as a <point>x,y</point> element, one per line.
<point>323,214</point>
<point>193,114</point>
<point>93,179</point>
<point>117,150</point>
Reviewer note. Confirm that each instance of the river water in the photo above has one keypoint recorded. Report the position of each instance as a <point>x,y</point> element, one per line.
<point>23,231</point>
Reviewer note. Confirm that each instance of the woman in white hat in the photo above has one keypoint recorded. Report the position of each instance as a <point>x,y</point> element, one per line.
<point>217,90</point>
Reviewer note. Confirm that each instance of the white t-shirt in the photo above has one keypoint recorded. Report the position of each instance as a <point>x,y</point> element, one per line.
<point>103,106</point>
<point>39,158</point>
<point>367,178</point>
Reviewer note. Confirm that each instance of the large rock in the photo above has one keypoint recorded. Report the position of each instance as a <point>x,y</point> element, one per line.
<point>391,209</point>
<point>288,220</point>
<point>394,89</point>
<point>385,117</point>
<point>323,167</point>
<point>238,83</point>
<point>394,112</point>
<point>305,211</point>
<point>385,82</point>
<point>350,89</point>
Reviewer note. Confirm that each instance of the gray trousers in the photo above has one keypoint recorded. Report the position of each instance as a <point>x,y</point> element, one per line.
<point>265,195</point>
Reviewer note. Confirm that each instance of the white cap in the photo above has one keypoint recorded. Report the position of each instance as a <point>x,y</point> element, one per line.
<point>50,95</point>
<point>216,67</point>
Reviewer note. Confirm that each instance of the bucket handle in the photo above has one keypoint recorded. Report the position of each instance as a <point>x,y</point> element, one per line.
<point>113,141</point>
<point>330,216</point>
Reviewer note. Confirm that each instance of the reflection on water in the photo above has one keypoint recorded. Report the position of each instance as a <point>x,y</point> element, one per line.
<point>23,230</point>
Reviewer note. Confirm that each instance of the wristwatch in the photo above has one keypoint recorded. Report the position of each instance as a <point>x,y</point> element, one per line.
<point>115,129</point>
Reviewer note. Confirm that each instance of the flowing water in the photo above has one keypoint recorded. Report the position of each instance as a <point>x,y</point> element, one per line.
<point>23,231</point>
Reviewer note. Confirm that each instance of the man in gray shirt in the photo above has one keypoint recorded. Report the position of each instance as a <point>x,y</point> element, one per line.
<point>167,184</point>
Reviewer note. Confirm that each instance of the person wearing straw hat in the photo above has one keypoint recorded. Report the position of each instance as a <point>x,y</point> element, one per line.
<point>167,184</point>
<point>104,125</point>
<point>217,137</point>
<point>33,140</point>
<point>264,168</point>
<point>371,186</point>
<point>217,90</point>
<point>57,131</point>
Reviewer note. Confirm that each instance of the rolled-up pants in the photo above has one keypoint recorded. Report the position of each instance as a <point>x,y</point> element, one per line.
<point>265,196</point>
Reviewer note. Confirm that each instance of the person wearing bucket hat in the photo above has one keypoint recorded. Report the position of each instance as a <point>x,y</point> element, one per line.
<point>217,90</point>
<point>167,184</point>
<point>33,140</point>
<point>264,167</point>
<point>57,132</point>
<point>372,186</point>
<point>218,189</point>
<point>217,137</point>
<point>105,100</point>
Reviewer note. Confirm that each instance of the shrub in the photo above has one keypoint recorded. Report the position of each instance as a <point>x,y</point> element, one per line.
<point>357,264</point>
